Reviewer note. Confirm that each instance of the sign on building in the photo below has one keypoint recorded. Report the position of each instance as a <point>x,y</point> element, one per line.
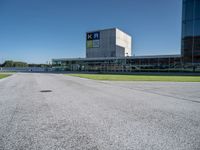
<point>93,40</point>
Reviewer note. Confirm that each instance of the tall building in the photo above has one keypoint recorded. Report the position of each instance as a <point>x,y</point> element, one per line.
<point>108,43</point>
<point>106,50</point>
<point>190,46</point>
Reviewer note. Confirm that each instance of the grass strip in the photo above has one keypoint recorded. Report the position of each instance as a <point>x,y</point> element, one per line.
<point>4,75</point>
<point>165,78</point>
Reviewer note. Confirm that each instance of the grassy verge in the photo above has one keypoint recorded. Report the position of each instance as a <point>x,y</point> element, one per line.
<point>4,75</point>
<point>164,78</point>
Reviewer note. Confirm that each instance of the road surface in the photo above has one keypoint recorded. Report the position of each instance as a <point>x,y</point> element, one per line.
<point>83,114</point>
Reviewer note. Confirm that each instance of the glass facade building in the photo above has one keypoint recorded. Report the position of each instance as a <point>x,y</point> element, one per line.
<point>190,47</point>
<point>188,61</point>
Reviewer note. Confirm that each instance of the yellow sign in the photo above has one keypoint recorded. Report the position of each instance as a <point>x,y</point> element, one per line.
<point>90,44</point>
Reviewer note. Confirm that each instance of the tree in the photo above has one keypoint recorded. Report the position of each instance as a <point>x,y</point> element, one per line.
<point>10,63</point>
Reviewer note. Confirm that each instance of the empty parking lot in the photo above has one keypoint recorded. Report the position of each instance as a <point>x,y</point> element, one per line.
<point>54,111</point>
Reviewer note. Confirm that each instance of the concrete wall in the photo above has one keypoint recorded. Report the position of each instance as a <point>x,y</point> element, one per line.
<point>107,45</point>
<point>124,40</point>
<point>120,51</point>
<point>112,43</point>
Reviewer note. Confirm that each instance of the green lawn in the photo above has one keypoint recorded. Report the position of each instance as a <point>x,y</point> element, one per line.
<point>139,77</point>
<point>4,75</point>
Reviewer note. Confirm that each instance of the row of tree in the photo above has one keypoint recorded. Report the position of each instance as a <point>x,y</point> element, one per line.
<point>10,63</point>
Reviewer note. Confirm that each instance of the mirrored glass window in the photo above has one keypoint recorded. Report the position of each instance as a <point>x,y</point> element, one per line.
<point>197,28</point>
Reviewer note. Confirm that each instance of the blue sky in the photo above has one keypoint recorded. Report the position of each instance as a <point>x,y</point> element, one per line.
<point>36,31</point>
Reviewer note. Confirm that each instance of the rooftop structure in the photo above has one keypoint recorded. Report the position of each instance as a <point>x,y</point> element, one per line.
<point>108,43</point>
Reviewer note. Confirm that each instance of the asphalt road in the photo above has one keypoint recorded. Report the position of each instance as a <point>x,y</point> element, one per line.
<point>84,114</point>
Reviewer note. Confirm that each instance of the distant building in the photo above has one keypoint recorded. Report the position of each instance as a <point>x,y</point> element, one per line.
<point>108,43</point>
<point>109,50</point>
<point>190,48</point>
